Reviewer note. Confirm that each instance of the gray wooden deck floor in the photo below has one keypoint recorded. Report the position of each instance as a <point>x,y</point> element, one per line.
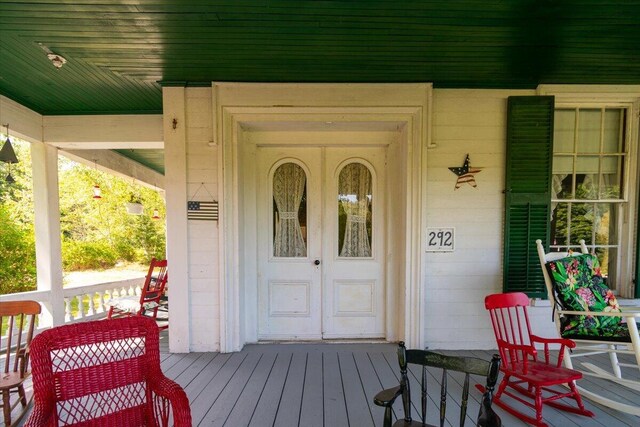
<point>328,385</point>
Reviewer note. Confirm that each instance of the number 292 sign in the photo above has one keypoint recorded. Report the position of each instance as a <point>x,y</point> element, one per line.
<point>440,239</point>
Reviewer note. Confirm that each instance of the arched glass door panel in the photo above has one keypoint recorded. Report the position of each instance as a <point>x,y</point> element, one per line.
<point>355,204</point>
<point>289,211</point>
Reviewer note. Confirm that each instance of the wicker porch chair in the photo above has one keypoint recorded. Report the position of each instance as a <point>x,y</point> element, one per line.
<point>104,373</point>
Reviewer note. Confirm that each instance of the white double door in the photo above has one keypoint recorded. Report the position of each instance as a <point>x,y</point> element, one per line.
<point>321,242</point>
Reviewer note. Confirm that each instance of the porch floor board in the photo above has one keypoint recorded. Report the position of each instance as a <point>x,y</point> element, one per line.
<point>332,385</point>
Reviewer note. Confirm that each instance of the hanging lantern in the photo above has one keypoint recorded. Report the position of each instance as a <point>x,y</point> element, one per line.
<point>156,214</point>
<point>97,193</point>
<point>8,155</point>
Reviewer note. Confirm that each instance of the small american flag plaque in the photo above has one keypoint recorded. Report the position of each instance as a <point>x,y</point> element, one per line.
<point>202,211</point>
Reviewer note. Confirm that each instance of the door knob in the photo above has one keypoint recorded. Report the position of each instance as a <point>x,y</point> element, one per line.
<point>316,262</point>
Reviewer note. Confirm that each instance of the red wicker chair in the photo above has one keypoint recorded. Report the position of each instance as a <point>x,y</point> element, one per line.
<point>104,373</point>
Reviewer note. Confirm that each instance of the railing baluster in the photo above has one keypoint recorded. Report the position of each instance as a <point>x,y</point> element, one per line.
<point>79,298</point>
<point>101,301</point>
<point>67,310</point>
<point>91,310</point>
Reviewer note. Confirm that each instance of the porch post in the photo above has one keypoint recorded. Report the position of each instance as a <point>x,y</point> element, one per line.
<point>175,157</point>
<point>47,229</point>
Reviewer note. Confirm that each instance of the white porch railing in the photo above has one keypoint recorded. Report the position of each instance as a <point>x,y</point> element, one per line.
<point>82,303</point>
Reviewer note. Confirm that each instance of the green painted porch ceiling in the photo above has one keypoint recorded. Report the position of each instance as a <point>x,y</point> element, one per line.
<point>120,52</point>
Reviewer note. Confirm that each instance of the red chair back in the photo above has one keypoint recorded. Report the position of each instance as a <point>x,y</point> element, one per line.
<point>155,282</point>
<point>511,326</point>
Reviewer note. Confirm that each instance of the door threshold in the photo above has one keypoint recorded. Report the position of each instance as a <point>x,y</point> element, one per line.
<point>329,341</point>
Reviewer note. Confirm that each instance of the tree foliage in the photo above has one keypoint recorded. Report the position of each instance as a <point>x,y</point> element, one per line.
<point>18,260</point>
<point>17,245</point>
<point>96,233</point>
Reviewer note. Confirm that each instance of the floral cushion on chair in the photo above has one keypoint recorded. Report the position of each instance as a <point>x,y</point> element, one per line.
<point>578,285</point>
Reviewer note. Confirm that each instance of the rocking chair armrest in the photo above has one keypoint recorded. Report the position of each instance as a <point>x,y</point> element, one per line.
<point>171,391</point>
<point>23,358</point>
<point>562,341</point>
<point>387,397</point>
<point>625,314</point>
<point>528,349</point>
<point>547,354</point>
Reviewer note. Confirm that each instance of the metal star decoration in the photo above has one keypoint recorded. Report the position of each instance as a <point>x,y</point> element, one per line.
<point>465,174</point>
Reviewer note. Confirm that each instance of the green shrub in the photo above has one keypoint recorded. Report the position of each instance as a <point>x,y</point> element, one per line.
<point>18,256</point>
<point>87,255</point>
<point>124,250</point>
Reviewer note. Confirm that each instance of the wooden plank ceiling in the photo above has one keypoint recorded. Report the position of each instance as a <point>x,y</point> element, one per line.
<point>120,52</point>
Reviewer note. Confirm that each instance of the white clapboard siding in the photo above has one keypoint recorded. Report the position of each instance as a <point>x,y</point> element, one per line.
<point>202,170</point>
<point>465,122</point>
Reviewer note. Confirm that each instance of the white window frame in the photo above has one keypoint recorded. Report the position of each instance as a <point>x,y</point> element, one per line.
<point>623,200</point>
<point>628,97</point>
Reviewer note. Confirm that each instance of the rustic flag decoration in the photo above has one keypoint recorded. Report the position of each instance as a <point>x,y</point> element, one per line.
<point>202,210</point>
<point>465,174</point>
<point>205,211</point>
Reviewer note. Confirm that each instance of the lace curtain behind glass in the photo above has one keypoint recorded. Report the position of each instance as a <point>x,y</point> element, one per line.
<point>288,188</point>
<point>354,187</point>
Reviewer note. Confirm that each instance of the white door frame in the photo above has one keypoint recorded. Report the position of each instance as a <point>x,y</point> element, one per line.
<point>237,322</point>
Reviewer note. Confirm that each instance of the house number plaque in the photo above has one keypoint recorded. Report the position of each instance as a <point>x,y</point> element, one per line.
<point>440,239</point>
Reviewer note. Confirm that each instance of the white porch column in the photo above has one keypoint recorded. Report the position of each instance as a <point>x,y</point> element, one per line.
<point>47,228</point>
<point>175,159</point>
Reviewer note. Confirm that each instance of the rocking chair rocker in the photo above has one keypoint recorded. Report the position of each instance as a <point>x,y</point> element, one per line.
<point>529,379</point>
<point>587,312</point>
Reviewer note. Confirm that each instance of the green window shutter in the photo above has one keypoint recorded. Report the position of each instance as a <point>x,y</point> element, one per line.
<point>527,191</point>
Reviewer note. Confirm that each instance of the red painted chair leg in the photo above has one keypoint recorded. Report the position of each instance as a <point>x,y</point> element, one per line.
<point>519,414</point>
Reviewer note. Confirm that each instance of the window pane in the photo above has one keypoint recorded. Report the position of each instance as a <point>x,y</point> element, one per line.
<point>613,127</point>
<point>582,222</point>
<point>607,258</point>
<point>354,211</point>
<point>587,165</point>
<point>564,131</point>
<point>563,164</point>
<point>589,131</point>
<point>611,187</point>
<point>586,186</point>
<point>559,224</point>
<point>289,211</point>
<point>606,224</point>
<point>562,186</point>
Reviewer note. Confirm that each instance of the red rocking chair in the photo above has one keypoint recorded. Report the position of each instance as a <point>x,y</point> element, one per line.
<point>151,294</point>
<point>529,379</point>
